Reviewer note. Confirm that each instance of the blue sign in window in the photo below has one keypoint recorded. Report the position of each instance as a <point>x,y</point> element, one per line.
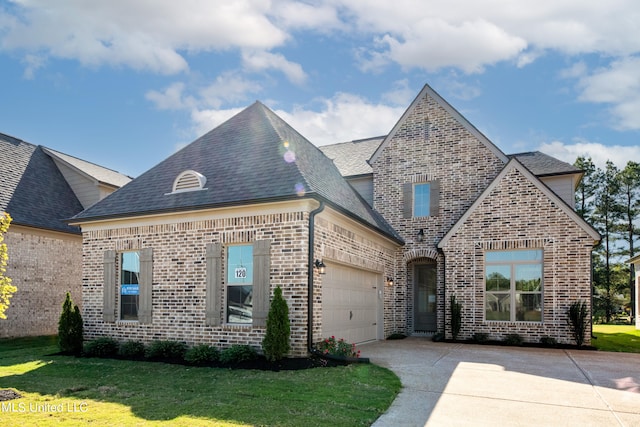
<point>129,289</point>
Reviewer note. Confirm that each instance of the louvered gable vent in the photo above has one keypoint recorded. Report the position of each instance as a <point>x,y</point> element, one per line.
<point>189,180</point>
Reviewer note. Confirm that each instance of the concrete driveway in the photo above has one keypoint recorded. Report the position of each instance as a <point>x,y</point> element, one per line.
<point>476,385</point>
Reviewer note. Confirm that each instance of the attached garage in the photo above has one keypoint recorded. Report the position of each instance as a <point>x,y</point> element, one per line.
<point>351,303</point>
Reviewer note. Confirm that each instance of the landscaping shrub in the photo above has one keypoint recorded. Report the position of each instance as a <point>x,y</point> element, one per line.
<point>70,328</point>
<point>437,337</point>
<point>480,337</point>
<point>101,347</point>
<point>340,347</point>
<point>456,317</point>
<point>276,340</point>
<point>166,350</point>
<point>513,339</point>
<point>548,341</point>
<point>202,355</point>
<point>134,350</point>
<point>396,336</point>
<point>578,320</point>
<point>237,353</point>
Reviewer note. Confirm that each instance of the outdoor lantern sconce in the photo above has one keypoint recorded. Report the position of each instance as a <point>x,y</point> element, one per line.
<point>421,235</point>
<point>320,266</point>
<point>389,281</point>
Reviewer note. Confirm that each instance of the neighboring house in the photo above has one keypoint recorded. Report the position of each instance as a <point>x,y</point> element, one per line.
<point>192,249</point>
<point>40,188</point>
<point>635,264</point>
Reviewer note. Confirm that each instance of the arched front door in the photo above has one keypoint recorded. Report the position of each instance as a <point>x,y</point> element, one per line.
<point>425,303</point>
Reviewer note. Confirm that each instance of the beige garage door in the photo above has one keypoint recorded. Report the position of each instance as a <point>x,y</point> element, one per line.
<point>351,308</point>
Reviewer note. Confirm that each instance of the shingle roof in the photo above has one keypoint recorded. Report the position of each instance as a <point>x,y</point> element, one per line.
<point>97,172</point>
<point>253,157</point>
<point>32,189</point>
<point>351,158</point>
<point>541,164</point>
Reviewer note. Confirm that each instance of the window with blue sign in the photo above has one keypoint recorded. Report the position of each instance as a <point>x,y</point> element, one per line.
<point>239,284</point>
<point>129,285</point>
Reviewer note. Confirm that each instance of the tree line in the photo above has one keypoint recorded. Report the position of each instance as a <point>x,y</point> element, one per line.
<point>609,199</point>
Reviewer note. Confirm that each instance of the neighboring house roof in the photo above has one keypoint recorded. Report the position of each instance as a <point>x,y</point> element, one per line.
<point>635,260</point>
<point>32,189</point>
<point>91,170</point>
<point>541,164</point>
<point>253,157</point>
<point>514,163</point>
<point>351,158</point>
<point>427,90</point>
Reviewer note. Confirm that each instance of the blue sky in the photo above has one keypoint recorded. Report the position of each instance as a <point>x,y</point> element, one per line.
<point>125,84</point>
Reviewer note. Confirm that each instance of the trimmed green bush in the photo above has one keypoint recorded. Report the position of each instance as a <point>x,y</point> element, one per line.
<point>101,347</point>
<point>578,320</point>
<point>134,350</point>
<point>548,341</point>
<point>513,339</point>
<point>237,353</point>
<point>396,336</point>
<point>456,317</point>
<point>202,355</point>
<point>70,328</point>
<point>437,337</point>
<point>480,337</point>
<point>166,350</point>
<point>276,340</point>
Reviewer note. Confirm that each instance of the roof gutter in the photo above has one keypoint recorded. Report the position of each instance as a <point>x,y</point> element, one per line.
<point>310,260</point>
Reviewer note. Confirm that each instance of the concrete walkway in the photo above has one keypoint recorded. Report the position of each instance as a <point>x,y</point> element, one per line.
<point>476,385</point>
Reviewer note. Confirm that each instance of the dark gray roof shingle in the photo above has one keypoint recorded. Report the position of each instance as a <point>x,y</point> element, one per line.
<point>541,164</point>
<point>32,189</point>
<point>253,157</point>
<point>351,158</point>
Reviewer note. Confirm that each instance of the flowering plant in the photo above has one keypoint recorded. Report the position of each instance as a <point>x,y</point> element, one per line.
<point>339,347</point>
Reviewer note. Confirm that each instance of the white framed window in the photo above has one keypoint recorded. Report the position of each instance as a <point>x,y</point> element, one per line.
<point>129,286</point>
<point>514,285</point>
<point>421,199</point>
<point>240,284</point>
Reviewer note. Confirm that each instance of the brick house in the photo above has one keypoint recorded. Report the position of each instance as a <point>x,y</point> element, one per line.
<point>365,238</point>
<point>40,188</point>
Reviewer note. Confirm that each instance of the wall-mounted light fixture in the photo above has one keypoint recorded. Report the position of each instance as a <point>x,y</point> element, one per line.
<point>421,235</point>
<point>389,281</point>
<point>320,266</point>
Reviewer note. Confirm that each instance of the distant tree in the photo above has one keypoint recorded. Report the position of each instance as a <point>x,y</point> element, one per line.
<point>629,179</point>
<point>587,187</point>
<point>70,328</point>
<point>276,342</point>
<point>6,288</point>
<point>605,217</point>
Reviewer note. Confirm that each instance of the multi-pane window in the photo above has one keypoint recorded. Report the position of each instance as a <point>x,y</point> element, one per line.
<point>421,200</point>
<point>513,285</point>
<point>240,284</point>
<point>129,285</point>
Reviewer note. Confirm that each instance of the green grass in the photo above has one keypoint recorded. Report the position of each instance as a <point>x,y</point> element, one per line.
<point>68,391</point>
<point>622,338</point>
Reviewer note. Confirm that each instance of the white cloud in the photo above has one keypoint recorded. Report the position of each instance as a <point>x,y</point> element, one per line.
<point>206,120</point>
<point>140,35</point>
<point>599,153</point>
<point>257,61</point>
<point>619,86</point>
<point>171,98</point>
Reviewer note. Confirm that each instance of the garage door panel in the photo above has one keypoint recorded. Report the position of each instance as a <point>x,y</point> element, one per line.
<point>349,303</point>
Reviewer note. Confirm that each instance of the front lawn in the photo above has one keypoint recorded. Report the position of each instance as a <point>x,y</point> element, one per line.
<point>68,391</point>
<point>623,338</point>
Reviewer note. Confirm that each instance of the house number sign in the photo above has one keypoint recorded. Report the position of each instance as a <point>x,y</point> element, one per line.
<point>241,273</point>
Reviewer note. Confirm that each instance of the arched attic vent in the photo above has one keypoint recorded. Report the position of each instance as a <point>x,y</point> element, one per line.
<point>189,180</point>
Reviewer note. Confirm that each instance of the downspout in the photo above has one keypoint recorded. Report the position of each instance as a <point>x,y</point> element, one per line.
<point>312,227</point>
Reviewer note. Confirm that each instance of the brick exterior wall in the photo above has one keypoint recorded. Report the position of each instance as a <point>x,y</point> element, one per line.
<point>179,272</point>
<point>517,215</point>
<point>430,144</point>
<point>44,266</point>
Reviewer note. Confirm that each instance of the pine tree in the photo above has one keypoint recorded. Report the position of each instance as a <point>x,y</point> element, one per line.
<point>629,179</point>
<point>70,328</point>
<point>587,187</point>
<point>276,340</point>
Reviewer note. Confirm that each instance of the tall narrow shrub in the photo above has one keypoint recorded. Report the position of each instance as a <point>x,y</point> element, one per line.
<point>70,328</point>
<point>578,320</point>
<point>456,317</point>
<point>276,340</point>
